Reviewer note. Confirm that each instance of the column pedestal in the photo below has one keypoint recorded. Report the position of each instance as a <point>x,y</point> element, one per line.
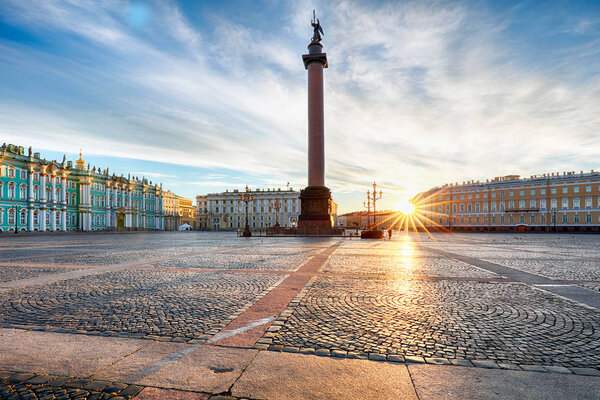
<point>314,210</point>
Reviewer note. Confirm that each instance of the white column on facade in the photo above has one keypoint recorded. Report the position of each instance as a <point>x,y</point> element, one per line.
<point>63,190</point>
<point>53,188</point>
<point>30,200</point>
<point>143,209</point>
<point>42,216</point>
<point>63,200</point>
<point>53,202</point>
<point>107,204</point>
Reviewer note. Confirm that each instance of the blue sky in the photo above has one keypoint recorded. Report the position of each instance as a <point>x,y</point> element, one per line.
<point>208,95</point>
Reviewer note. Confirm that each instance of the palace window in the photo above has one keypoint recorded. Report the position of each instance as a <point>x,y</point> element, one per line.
<point>522,203</point>
<point>532,192</point>
<point>565,202</point>
<point>502,193</point>
<point>543,204</point>
<point>23,217</point>
<point>565,190</point>
<point>493,206</point>
<point>553,190</point>
<point>493,195</point>
<point>565,219</point>
<point>576,202</point>
<point>521,219</point>
<point>532,203</point>
<point>469,207</point>
<point>476,207</point>
<point>542,219</point>
<point>511,220</point>
<point>576,219</point>
<point>511,204</point>
<point>542,191</point>
<point>36,176</point>
<point>532,219</point>
<point>485,195</point>
<point>493,219</point>
<point>554,203</point>
<point>588,201</point>
<point>23,174</point>
<point>575,189</point>
<point>11,216</point>
<point>588,189</point>
<point>502,205</point>
<point>11,172</point>
<point>11,190</point>
<point>588,218</point>
<point>36,192</point>
<point>23,192</point>
<point>469,196</point>
<point>58,217</point>
<point>521,193</point>
<point>511,193</point>
<point>36,217</point>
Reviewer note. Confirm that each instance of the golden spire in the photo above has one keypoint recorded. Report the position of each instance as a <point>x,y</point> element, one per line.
<point>80,162</point>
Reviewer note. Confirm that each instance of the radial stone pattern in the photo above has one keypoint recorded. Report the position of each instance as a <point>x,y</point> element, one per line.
<point>413,297</point>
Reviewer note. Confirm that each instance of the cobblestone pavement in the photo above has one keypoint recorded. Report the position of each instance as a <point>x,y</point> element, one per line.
<point>22,386</point>
<point>134,303</point>
<point>13,273</point>
<point>385,300</point>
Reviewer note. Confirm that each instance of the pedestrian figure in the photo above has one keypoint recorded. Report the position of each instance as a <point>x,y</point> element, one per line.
<point>390,233</point>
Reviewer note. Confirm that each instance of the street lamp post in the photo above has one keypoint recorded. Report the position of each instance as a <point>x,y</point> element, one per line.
<point>17,216</point>
<point>367,205</point>
<point>276,204</point>
<point>373,197</point>
<point>247,198</point>
<point>372,232</point>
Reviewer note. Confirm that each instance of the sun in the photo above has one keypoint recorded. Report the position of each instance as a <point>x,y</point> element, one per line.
<point>405,207</point>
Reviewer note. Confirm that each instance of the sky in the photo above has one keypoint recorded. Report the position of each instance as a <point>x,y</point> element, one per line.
<point>205,96</point>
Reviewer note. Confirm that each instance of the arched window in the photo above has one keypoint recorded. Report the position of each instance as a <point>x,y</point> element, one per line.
<point>11,190</point>
<point>36,217</point>
<point>23,217</point>
<point>36,192</point>
<point>73,199</point>
<point>11,216</point>
<point>58,217</point>
<point>47,219</point>
<point>23,192</point>
<point>48,191</point>
<point>57,194</point>
<point>11,172</point>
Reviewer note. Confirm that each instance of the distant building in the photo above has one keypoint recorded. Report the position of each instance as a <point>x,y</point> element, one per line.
<point>363,220</point>
<point>178,211</point>
<point>564,202</point>
<point>41,195</point>
<point>226,211</point>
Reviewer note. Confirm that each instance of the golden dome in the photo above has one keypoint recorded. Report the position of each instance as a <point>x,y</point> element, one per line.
<point>80,162</point>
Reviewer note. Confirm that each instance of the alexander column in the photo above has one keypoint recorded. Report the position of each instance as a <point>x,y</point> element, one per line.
<point>314,199</point>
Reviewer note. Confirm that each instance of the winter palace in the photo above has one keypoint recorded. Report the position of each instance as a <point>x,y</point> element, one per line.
<point>41,195</point>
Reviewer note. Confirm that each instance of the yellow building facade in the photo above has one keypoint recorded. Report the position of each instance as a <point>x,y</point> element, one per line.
<point>549,202</point>
<point>178,211</point>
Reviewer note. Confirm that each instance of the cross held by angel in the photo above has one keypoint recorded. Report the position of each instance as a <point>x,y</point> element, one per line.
<point>318,31</point>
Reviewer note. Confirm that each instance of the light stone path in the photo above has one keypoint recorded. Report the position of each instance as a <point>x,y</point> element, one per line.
<point>200,315</point>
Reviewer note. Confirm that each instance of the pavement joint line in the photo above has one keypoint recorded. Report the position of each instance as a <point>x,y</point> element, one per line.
<point>309,269</point>
<point>119,359</point>
<point>171,358</point>
<point>226,334</point>
<point>578,295</point>
<point>52,278</point>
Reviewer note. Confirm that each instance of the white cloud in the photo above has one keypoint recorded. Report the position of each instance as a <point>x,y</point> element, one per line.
<point>417,94</point>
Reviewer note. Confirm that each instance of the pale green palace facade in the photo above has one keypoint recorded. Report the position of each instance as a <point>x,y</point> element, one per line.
<point>41,195</point>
